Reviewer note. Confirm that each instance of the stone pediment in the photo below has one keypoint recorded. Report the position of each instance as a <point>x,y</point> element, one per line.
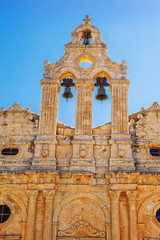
<point>81,229</point>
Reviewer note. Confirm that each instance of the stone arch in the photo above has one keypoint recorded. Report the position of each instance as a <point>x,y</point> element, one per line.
<point>144,205</point>
<point>73,197</point>
<point>67,72</point>
<point>102,70</point>
<point>19,202</point>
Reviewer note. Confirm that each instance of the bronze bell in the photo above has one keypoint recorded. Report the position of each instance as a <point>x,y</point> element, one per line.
<point>101,96</point>
<point>67,93</point>
<point>67,83</point>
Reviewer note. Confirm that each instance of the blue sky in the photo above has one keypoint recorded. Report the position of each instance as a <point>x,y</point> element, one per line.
<point>33,31</point>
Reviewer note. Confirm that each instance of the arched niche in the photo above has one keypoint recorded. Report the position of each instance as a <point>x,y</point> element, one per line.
<point>104,71</point>
<point>67,71</point>
<point>101,110</point>
<point>18,214</point>
<point>147,216</point>
<point>82,209</point>
<point>65,106</point>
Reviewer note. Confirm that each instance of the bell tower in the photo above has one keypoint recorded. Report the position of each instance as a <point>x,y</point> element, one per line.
<point>86,45</point>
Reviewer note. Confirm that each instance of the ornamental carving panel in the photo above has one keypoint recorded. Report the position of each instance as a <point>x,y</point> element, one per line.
<point>81,229</point>
<point>81,218</point>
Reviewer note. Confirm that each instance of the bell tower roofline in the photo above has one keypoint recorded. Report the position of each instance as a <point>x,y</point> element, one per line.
<point>86,37</point>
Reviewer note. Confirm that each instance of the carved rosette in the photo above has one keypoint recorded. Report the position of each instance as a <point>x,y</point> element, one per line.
<point>81,229</point>
<point>83,151</point>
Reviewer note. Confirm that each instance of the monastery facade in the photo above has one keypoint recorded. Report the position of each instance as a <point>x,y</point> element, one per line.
<point>82,183</point>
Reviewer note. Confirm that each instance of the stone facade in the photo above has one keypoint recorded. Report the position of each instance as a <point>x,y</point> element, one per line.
<point>83,183</point>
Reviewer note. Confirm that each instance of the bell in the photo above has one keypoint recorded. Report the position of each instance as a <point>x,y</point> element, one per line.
<point>101,96</point>
<point>67,93</point>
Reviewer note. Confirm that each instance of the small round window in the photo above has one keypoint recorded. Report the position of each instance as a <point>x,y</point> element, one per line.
<point>158,215</point>
<point>5,213</point>
<point>9,151</point>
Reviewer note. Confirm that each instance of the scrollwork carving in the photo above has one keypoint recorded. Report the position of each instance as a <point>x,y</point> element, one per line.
<point>81,229</point>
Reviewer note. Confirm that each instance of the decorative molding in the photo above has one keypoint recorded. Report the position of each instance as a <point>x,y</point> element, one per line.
<point>83,151</point>
<point>49,194</point>
<point>132,195</point>
<point>32,194</point>
<point>81,229</point>
<point>114,195</point>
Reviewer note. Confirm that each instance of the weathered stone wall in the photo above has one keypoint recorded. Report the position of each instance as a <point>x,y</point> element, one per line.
<point>81,183</point>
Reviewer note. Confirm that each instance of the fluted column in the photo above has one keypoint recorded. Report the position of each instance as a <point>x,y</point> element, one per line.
<point>23,229</point>
<point>49,107</point>
<point>32,199</point>
<point>115,232</point>
<point>132,214</point>
<point>82,159</point>
<point>83,124</point>
<point>140,231</point>
<point>121,151</point>
<point>124,224</point>
<point>119,110</point>
<point>49,195</point>
<point>39,217</point>
<point>108,231</point>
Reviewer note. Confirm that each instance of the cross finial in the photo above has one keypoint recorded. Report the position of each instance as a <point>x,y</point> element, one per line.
<point>86,20</point>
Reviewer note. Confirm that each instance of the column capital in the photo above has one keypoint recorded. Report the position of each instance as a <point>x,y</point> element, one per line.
<point>84,83</point>
<point>50,81</point>
<point>132,195</point>
<point>119,81</point>
<point>114,195</point>
<point>32,194</point>
<point>49,194</point>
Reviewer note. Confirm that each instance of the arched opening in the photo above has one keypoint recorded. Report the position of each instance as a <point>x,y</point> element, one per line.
<point>67,99</point>
<point>85,61</point>
<point>86,37</point>
<point>101,99</point>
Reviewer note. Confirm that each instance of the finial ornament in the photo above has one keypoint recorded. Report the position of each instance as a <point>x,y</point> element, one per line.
<point>86,20</point>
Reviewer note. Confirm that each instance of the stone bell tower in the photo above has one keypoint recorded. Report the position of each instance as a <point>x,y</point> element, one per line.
<point>86,45</point>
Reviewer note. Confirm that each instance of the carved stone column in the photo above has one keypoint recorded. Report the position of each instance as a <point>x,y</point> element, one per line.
<point>124,224</point>
<point>83,141</point>
<point>39,217</point>
<point>140,231</point>
<point>46,139</point>
<point>132,214</point>
<point>32,199</point>
<point>49,107</point>
<point>121,152</point>
<point>115,232</point>
<point>55,230</point>
<point>108,231</point>
<point>23,230</point>
<point>83,124</point>
<point>49,195</point>
<point>119,110</point>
